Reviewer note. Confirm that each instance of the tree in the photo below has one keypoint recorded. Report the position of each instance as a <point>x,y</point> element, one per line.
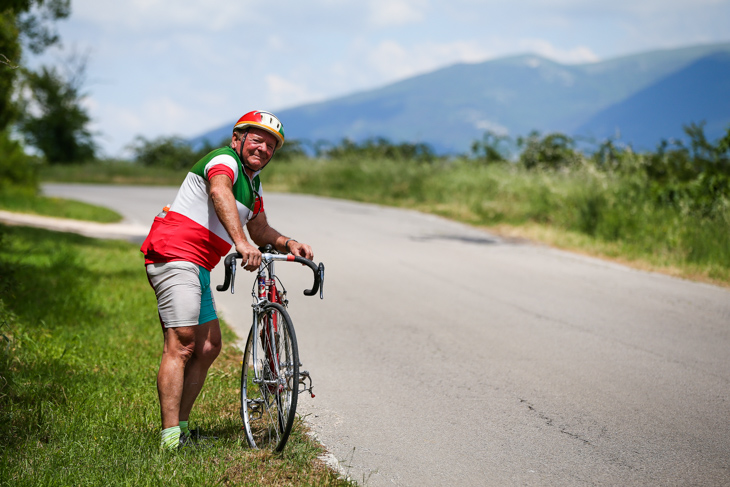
<point>29,23</point>
<point>378,148</point>
<point>491,148</point>
<point>293,149</point>
<point>17,169</point>
<point>53,119</point>
<point>168,152</point>
<point>554,151</point>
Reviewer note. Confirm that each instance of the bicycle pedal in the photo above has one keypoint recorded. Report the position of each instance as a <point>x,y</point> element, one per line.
<point>303,377</point>
<point>255,409</point>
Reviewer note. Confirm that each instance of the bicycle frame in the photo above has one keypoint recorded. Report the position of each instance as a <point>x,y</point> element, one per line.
<point>271,383</point>
<point>266,292</point>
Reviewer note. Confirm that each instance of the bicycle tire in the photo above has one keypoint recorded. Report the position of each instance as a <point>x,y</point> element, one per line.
<point>269,396</point>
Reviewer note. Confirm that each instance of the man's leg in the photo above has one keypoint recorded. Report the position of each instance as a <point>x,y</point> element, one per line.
<point>207,348</point>
<point>178,349</point>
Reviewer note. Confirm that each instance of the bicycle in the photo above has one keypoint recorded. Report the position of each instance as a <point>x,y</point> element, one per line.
<point>271,378</point>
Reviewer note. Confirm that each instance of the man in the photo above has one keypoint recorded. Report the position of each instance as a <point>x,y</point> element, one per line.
<point>220,194</point>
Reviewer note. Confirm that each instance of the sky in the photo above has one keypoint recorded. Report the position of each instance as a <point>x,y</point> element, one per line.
<point>184,67</point>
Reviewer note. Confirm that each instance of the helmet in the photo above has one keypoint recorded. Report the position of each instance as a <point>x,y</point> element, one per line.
<point>265,121</point>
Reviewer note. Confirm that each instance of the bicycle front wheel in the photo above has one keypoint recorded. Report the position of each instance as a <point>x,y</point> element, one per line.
<point>270,379</point>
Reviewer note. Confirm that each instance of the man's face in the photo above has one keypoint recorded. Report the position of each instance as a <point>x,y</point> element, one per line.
<point>257,148</point>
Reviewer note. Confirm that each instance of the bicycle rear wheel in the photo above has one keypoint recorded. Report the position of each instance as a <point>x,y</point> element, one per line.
<point>270,379</point>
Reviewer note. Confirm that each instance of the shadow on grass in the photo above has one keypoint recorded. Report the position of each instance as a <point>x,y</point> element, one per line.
<point>52,307</point>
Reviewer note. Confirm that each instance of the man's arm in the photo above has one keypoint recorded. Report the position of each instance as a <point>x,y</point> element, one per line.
<point>262,233</point>
<point>221,192</point>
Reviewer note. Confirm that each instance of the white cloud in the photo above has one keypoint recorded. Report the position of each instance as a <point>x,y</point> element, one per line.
<point>384,13</point>
<point>395,61</point>
<point>494,127</point>
<point>153,15</point>
<point>573,55</point>
<point>154,118</point>
<point>282,92</point>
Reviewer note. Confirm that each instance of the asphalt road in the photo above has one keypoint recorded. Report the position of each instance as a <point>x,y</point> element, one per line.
<point>442,355</point>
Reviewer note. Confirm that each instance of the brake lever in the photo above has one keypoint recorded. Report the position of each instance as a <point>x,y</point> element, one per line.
<point>233,274</point>
<point>321,280</point>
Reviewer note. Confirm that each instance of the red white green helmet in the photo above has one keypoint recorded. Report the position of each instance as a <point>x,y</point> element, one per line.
<point>265,121</point>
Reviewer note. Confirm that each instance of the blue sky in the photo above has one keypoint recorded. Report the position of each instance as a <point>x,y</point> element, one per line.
<point>163,67</point>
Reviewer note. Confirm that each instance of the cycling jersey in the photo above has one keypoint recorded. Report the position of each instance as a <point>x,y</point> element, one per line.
<point>191,230</point>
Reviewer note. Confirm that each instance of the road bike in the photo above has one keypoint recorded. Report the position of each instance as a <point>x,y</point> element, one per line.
<point>271,376</point>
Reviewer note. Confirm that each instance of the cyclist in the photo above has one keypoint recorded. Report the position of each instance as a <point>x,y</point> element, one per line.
<point>221,194</point>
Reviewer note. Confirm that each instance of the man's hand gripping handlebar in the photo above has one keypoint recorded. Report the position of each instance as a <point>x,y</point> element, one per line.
<point>266,257</point>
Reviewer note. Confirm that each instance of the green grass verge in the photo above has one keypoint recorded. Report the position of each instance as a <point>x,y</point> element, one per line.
<point>112,172</point>
<point>79,350</point>
<point>26,201</point>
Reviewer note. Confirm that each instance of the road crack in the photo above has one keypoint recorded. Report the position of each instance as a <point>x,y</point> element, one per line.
<point>550,422</point>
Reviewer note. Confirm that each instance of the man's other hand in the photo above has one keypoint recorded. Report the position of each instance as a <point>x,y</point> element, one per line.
<point>251,256</point>
<point>300,249</point>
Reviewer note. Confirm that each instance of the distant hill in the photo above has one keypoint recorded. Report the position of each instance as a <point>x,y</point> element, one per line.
<point>699,92</point>
<point>449,108</point>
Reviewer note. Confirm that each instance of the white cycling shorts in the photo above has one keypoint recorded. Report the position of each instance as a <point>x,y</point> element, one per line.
<point>183,293</point>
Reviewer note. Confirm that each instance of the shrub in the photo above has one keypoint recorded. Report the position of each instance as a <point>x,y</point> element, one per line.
<point>378,148</point>
<point>54,120</point>
<point>17,169</point>
<point>166,152</point>
<point>554,151</point>
<point>491,148</point>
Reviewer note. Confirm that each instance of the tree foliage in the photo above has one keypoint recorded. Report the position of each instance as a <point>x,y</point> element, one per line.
<point>379,148</point>
<point>554,151</point>
<point>54,120</point>
<point>491,148</point>
<point>17,169</point>
<point>695,174</point>
<point>170,152</point>
<point>292,149</point>
<point>29,23</point>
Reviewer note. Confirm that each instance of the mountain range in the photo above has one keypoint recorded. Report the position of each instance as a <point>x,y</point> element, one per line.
<point>640,99</point>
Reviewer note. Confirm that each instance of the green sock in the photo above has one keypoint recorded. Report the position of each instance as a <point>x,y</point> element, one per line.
<point>184,428</point>
<point>170,438</point>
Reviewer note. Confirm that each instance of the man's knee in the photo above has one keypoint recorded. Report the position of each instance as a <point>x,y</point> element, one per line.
<point>180,343</point>
<point>186,352</point>
<point>211,349</point>
<point>209,341</point>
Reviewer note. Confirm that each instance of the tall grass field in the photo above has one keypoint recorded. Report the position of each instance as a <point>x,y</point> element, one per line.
<point>622,216</point>
<point>80,345</point>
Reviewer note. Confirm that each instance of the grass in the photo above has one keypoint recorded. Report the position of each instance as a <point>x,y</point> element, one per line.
<point>112,172</point>
<point>26,201</point>
<point>602,214</point>
<point>80,347</point>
